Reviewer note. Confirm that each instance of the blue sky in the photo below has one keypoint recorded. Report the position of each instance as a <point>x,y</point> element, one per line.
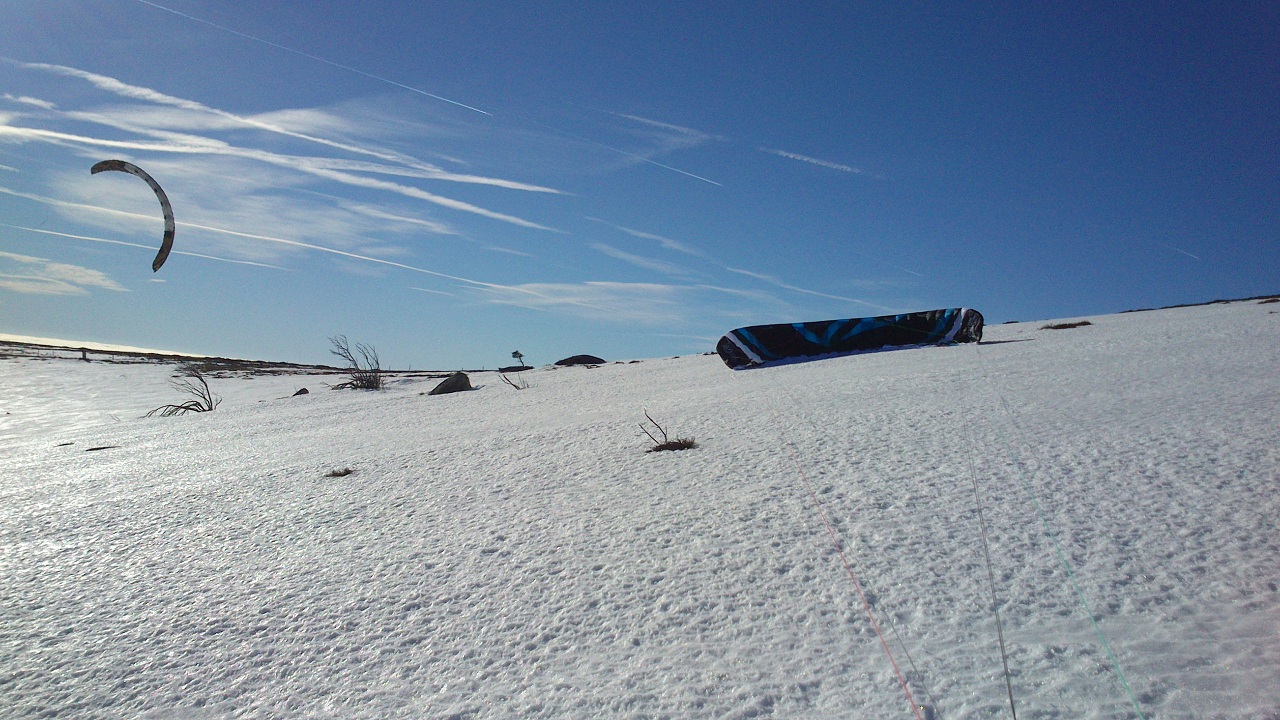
<point>451,181</point>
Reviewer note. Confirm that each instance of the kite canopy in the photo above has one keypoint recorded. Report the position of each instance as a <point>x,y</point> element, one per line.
<point>166,244</point>
<point>797,342</point>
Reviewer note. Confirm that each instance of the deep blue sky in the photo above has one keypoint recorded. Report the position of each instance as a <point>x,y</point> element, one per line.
<point>623,179</point>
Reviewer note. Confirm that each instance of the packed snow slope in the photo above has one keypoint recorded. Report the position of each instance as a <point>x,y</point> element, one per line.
<point>510,553</point>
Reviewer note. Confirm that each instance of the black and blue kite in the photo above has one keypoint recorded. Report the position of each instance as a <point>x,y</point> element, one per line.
<point>760,345</point>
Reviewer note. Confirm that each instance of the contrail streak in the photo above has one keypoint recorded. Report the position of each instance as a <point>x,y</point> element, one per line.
<point>413,166</point>
<point>620,152</point>
<point>667,243</point>
<point>317,58</point>
<point>1184,252</point>
<point>366,258</point>
<point>282,241</point>
<point>264,237</point>
<point>136,245</point>
<point>882,261</point>
<point>793,288</point>
<point>812,160</point>
<point>197,146</point>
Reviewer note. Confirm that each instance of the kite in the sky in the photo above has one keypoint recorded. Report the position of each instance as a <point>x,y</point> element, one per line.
<point>167,243</point>
<point>797,342</point>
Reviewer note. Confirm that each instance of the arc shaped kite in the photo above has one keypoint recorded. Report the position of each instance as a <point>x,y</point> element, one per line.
<point>167,243</point>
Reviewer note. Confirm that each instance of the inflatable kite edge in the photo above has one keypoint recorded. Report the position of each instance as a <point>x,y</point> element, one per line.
<point>166,242</point>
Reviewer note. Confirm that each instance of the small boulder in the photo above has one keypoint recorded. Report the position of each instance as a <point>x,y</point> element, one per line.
<point>303,391</point>
<point>580,360</point>
<point>456,382</point>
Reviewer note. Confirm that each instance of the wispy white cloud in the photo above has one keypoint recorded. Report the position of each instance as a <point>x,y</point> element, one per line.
<point>10,169</point>
<point>189,144</point>
<point>644,303</point>
<point>160,123</point>
<point>264,189</point>
<point>669,305</point>
<point>262,238</point>
<point>755,296</point>
<point>45,277</point>
<point>27,259</point>
<point>413,192</point>
<point>1178,250</point>
<point>424,174</point>
<point>814,161</point>
<point>310,56</point>
<point>164,123</point>
<point>508,251</point>
<point>665,242</point>
<point>634,156</point>
<point>794,288</point>
<point>82,276</point>
<point>690,132</point>
<point>134,92</point>
<point>680,247</point>
<point>643,262</point>
<point>35,102</point>
<point>342,253</point>
<point>38,285</point>
<point>431,226</point>
<point>148,248</point>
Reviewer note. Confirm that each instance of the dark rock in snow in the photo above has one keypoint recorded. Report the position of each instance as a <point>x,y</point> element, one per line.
<point>456,382</point>
<point>303,391</point>
<point>514,368</point>
<point>581,360</point>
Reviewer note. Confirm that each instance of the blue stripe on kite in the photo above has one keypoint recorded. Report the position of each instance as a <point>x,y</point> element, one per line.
<point>857,328</point>
<point>747,338</point>
<point>944,324</point>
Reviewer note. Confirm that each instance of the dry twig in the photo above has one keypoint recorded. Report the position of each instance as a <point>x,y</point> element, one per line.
<point>204,399</point>
<point>522,385</point>
<point>363,366</point>
<point>666,443</point>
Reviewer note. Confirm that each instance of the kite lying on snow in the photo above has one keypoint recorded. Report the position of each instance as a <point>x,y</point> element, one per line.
<point>796,342</point>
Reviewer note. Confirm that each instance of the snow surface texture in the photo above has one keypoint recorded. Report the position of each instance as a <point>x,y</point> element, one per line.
<point>504,553</point>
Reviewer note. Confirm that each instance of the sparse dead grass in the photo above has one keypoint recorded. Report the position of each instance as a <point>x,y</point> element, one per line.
<point>1065,326</point>
<point>519,383</point>
<point>363,366</point>
<point>203,399</point>
<point>666,443</point>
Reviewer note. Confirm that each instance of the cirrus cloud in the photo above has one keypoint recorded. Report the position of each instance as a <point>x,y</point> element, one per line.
<point>45,277</point>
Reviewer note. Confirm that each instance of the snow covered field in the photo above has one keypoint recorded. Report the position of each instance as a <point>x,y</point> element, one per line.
<point>503,553</point>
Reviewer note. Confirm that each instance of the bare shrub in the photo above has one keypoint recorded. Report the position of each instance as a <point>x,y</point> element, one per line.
<point>203,399</point>
<point>519,383</point>
<point>666,443</point>
<point>339,473</point>
<point>1065,326</point>
<point>363,366</point>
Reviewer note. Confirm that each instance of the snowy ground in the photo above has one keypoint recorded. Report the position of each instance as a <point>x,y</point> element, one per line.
<point>505,553</point>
